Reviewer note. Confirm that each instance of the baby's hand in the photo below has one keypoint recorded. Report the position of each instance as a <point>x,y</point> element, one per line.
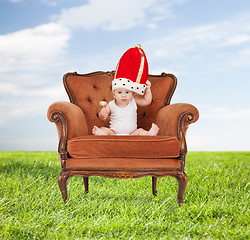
<point>103,114</point>
<point>148,83</point>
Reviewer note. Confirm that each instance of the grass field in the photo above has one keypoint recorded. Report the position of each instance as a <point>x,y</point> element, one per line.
<point>216,201</point>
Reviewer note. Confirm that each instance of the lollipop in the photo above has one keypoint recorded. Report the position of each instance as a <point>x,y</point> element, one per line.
<point>103,103</point>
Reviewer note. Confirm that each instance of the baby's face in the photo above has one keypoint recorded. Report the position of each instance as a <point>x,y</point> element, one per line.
<point>122,96</point>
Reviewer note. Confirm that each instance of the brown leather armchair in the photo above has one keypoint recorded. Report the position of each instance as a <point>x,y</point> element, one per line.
<point>83,154</point>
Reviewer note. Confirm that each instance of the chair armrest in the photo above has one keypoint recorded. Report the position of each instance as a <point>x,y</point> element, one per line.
<point>175,118</point>
<point>69,119</point>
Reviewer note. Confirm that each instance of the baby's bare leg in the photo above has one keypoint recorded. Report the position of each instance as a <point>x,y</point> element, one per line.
<point>152,131</point>
<point>102,131</point>
<point>139,131</point>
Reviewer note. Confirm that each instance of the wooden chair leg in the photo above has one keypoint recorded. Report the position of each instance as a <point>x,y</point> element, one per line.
<point>86,184</point>
<point>62,182</point>
<point>154,181</point>
<point>182,184</point>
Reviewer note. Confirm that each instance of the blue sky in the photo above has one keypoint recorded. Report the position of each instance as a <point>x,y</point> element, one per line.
<point>206,44</point>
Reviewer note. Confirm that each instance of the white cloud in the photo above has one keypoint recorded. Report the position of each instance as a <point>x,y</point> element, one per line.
<point>15,1</point>
<point>32,48</point>
<point>9,89</point>
<point>217,141</point>
<point>237,40</point>
<point>224,113</point>
<point>35,48</point>
<point>22,101</point>
<point>24,108</point>
<point>108,15</point>
<point>242,58</point>
<point>114,15</point>
<point>30,143</point>
<point>13,90</point>
<point>47,2</point>
<point>220,129</point>
<point>50,2</point>
<point>226,43</point>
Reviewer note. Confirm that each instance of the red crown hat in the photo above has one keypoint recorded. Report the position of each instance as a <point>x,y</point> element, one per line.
<point>132,71</point>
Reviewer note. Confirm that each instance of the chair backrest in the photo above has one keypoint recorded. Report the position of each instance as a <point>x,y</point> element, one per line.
<point>87,90</point>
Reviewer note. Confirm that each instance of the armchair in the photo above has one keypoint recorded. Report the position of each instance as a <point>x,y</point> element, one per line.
<point>83,154</point>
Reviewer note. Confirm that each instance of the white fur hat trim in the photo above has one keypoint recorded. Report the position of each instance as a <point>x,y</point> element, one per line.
<point>129,85</point>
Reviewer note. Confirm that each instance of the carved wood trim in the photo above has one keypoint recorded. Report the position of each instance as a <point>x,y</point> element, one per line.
<point>68,88</point>
<point>122,174</point>
<point>185,119</point>
<point>171,88</point>
<point>62,146</point>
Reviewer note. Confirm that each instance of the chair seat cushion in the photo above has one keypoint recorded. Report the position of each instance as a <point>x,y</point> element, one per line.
<point>138,147</point>
<point>122,163</point>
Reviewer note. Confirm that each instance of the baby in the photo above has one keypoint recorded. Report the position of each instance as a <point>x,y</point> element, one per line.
<point>123,113</point>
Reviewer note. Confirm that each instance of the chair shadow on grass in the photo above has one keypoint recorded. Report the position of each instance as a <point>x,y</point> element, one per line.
<point>131,190</point>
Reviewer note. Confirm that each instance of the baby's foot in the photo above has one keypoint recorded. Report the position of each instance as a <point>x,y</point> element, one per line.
<point>97,131</point>
<point>153,130</point>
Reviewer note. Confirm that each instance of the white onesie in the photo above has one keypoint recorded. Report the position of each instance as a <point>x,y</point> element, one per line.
<point>123,121</point>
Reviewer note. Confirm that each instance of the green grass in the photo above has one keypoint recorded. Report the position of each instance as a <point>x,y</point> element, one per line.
<point>216,201</point>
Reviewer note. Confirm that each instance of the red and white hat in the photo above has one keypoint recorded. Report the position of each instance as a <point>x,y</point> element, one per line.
<point>132,71</point>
